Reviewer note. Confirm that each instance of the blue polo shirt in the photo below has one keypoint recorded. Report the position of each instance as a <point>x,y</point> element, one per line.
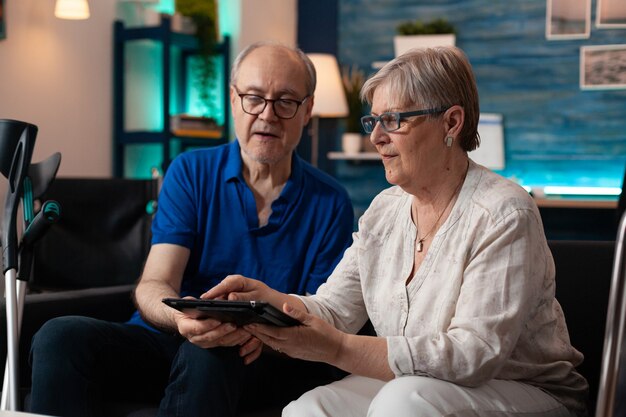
<point>206,206</point>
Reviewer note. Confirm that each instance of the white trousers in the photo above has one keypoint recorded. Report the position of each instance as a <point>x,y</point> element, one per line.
<point>417,396</point>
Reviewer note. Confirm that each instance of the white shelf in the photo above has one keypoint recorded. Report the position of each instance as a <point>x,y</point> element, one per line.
<point>361,156</point>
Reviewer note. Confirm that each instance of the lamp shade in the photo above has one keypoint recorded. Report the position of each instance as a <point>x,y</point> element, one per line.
<point>330,98</point>
<point>72,9</point>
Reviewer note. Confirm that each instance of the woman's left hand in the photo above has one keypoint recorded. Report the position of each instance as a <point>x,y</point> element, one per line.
<point>312,340</point>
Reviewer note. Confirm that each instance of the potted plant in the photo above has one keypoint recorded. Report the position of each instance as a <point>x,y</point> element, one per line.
<point>418,34</point>
<point>203,14</point>
<point>353,79</point>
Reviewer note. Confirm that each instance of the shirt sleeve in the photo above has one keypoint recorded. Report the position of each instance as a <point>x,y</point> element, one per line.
<point>175,221</point>
<point>502,287</point>
<point>336,239</point>
<point>339,300</point>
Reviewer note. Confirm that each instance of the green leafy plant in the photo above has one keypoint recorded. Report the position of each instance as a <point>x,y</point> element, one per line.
<point>353,79</point>
<point>203,13</point>
<point>433,27</point>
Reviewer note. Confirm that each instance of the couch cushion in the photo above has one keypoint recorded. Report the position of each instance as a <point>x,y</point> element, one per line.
<point>583,280</point>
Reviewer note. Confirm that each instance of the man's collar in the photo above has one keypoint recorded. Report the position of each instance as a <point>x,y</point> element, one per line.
<point>234,170</point>
<point>234,164</point>
<point>293,186</point>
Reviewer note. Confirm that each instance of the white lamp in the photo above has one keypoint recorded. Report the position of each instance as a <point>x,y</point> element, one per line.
<point>72,9</point>
<point>330,98</point>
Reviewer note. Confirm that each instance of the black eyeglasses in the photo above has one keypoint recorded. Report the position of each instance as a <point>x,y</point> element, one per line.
<point>390,121</point>
<point>284,108</point>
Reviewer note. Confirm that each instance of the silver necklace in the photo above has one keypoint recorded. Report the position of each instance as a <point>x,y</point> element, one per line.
<point>420,241</point>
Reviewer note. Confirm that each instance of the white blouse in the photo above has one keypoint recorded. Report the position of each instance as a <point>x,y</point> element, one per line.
<point>481,305</point>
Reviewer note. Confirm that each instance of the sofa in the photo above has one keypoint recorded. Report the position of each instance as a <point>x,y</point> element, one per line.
<point>88,262</point>
<point>582,286</point>
<point>583,282</point>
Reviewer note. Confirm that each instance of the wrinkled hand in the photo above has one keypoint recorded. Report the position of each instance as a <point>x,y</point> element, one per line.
<point>313,340</point>
<point>238,287</point>
<point>209,333</point>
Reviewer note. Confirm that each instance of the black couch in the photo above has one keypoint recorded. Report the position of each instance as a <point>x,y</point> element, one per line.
<point>88,262</point>
<point>583,281</point>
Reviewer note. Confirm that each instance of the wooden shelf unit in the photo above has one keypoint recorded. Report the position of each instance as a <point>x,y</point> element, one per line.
<point>188,46</point>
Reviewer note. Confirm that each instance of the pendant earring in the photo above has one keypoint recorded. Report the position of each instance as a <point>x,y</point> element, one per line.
<point>449,141</point>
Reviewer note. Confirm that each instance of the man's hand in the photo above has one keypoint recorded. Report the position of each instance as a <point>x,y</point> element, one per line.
<point>208,333</point>
<point>238,287</point>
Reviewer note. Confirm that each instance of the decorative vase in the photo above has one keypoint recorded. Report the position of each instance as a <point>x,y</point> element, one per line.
<point>351,143</point>
<point>402,44</point>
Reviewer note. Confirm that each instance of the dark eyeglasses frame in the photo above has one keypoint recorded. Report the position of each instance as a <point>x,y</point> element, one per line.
<point>399,116</point>
<point>273,101</point>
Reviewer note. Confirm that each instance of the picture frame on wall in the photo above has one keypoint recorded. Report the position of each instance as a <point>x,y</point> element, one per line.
<point>568,19</point>
<point>611,14</point>
<point>603,67</point>
<point>3,29</point>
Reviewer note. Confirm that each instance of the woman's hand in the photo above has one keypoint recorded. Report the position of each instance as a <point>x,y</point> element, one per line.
<point>238,287</point>
<point>313,340</point>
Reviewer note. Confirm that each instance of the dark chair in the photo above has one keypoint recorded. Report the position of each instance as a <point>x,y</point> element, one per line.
<point>583,277</point>
<point>103,237</point>
<point>612,392</point>
<point>88,263</point>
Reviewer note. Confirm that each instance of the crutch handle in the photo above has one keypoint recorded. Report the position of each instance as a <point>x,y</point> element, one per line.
<point>49,214</point>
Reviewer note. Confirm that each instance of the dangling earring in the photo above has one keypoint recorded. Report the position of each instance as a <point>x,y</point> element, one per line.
<point>449,140</point>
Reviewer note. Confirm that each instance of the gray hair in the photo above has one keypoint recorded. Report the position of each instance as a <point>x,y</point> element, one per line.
<point>310,80</point>
<point>433,78</point>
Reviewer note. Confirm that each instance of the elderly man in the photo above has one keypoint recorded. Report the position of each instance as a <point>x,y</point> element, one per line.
<point>251,207</point>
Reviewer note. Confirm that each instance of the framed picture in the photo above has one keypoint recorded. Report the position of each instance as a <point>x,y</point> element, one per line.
<point>611,14</point>
<point>3,31</point>
<point>603,67</point>
<point>568,19</point>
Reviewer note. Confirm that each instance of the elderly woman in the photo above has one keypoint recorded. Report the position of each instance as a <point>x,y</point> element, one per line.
<point>451,266</point>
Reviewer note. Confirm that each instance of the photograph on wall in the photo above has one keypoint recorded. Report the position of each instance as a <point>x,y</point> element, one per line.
<point>603,67</point>
<point>568,19</point>
<point>611,14</point>
<point>2,23</point>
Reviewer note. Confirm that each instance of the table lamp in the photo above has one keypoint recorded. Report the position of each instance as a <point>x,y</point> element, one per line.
<point>330,98</point>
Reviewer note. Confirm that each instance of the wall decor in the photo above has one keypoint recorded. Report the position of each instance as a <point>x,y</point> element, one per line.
<point>490,153</point>
<point>3,30</point>
<point>603,67</point>
<point>611,14</point>
<point>555,132</point>
<point>568,19</point>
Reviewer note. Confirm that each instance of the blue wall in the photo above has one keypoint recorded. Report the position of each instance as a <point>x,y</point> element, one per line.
<point>555,133</point>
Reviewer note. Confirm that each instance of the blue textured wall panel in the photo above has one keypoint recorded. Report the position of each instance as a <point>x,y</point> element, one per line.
<point>555,133</point>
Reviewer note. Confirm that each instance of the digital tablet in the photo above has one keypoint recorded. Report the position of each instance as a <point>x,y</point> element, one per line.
<point>237,312</point>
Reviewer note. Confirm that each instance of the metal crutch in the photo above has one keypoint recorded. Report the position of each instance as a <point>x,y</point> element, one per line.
<point>40,176</point>
<point>17,140</point>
